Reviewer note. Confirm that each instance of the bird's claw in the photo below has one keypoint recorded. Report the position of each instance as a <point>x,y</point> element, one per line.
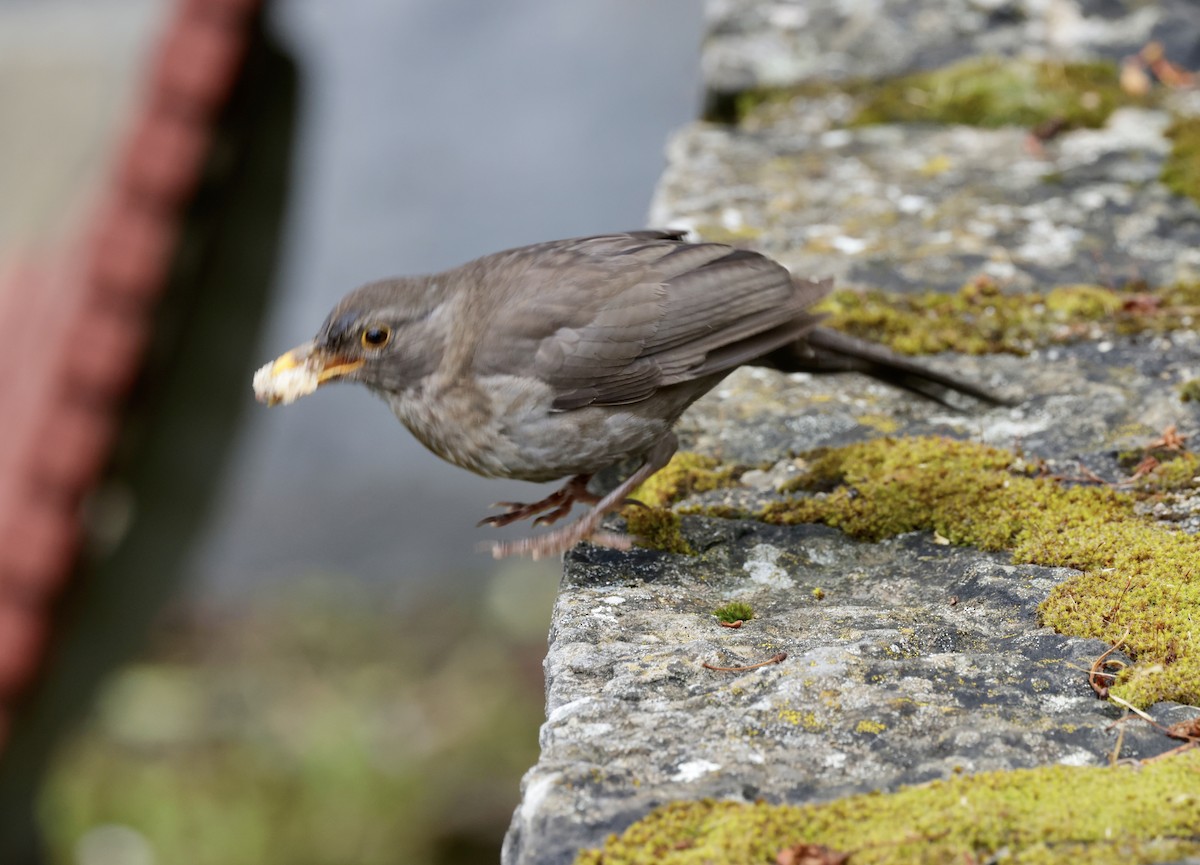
<point>552,508</point>
<point>521,511</point>
<point>554,516</point>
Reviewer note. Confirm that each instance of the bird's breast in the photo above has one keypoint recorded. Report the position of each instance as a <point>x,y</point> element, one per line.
<point>502,426</point>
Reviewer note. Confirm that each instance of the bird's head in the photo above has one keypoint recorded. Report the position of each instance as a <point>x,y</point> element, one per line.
<point>386,335</point>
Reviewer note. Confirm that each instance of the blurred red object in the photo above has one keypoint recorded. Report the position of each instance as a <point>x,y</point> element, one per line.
<point>72,334</point>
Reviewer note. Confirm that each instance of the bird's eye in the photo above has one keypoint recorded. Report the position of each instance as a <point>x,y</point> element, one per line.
<point>376,336</point>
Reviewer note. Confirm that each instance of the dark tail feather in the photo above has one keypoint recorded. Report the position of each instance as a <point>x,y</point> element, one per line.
<point>823,350</point>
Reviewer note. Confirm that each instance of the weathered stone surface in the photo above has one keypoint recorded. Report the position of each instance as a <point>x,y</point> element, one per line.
<point>910,207</point>
<point>914,660</point>
<point>918,661</point>
<point>1079,403</point>
<point>754,44</point>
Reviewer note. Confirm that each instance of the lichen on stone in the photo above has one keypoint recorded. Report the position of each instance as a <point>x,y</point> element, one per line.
<point>869,727</point>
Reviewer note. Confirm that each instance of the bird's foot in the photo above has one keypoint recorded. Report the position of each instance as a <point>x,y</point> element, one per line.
<point>558,542</point>
<point>558,504</point>
<point>586,527</point>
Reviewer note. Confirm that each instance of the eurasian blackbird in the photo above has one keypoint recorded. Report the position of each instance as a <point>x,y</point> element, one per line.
<point>564,358</point>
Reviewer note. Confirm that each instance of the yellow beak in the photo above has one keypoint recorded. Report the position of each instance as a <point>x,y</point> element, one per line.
<point>299,372</point>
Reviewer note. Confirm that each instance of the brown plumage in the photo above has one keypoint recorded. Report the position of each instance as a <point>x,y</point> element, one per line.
<point>564,358</point>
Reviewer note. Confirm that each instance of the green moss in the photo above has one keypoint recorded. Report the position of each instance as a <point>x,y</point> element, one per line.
<point>1140,579</point>
<point>656,524</point>
<point>685,474</point>
<point>1083,303</point>
<point>994,92</point>
<point>989,92</point>
<point>734,611</point>
<point>1173,468</point>
<point>1181,171</point>
<point>1184,295</point>
<point>717,233</point>
<point>1056,814</point>
<point>1177,472</point>
<point>658,529</point>
<point>733,108</point>
<point>1189,391</point>
<point>749,101</point>
<point>981,319</point>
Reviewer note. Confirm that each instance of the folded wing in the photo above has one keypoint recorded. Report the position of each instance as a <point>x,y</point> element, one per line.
<point>638,312</point>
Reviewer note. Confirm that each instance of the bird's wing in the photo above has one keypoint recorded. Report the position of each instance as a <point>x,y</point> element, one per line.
<point>625,315</point>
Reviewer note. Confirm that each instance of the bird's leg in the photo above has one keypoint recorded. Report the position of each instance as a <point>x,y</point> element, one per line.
<point>574,490</point>
<point>563,539</point>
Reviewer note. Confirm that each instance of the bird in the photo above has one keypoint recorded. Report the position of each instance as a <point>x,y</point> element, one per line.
<point>561,359</point>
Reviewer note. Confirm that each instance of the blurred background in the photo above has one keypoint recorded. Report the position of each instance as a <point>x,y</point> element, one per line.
<point>282,642</point>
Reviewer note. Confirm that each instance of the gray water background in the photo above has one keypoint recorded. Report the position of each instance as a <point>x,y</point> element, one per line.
<point>432,131</point>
